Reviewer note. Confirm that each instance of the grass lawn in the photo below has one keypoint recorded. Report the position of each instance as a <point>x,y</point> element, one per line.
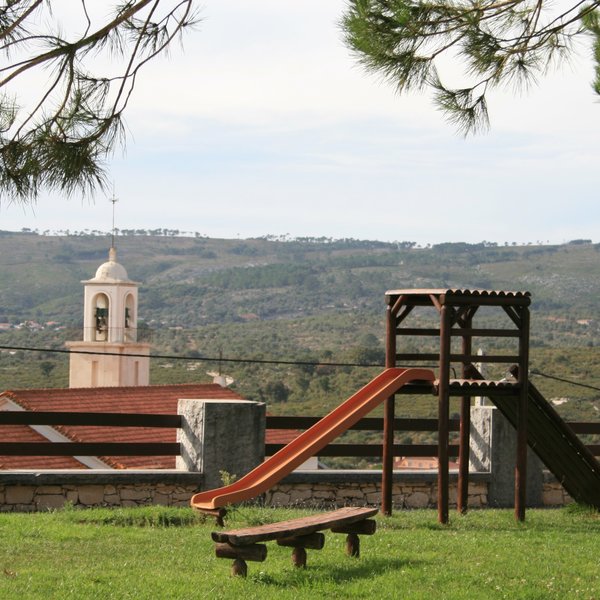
<point>167,553</point>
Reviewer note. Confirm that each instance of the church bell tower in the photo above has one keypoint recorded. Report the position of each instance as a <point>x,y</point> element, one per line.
<point>103,358</point>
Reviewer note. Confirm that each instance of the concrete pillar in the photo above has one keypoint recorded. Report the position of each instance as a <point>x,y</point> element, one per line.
<point>493,450</point>
<point>221,436</point>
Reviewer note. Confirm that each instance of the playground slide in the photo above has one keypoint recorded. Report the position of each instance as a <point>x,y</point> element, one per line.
<point>559,448</point>
<point>312,440</point>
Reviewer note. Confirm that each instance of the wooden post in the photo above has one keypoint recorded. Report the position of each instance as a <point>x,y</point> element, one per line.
<point>299,557</point>
<point>521,463</point>
<point>444,413</point>
<point>255,552</point>
<point>239,568</point>
<point>314,541</point>
<point>366,527</point>
<point>353,545</point>
<point>388,417</point>
<point>462,501</point>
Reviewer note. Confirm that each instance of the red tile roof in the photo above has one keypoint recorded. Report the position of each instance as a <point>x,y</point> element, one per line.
<point>23,433</point>
<point>281,436</point>
<point>153,399</point>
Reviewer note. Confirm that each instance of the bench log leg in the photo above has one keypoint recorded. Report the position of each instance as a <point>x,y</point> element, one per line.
<point>217,513</point>
<point>353,545</point>
<point>239,568</point>
<point>299,557</point>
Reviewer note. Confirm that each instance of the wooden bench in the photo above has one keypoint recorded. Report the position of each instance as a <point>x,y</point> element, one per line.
<point>299,534</point>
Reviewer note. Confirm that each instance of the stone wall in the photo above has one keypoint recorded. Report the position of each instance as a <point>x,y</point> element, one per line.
<point>40,491</point>
<point>404,495</point>
<point>330,489</point>
<point>47,490</point>
<point>554,494</point>
<point>325,489</point>
<point>28,498</point>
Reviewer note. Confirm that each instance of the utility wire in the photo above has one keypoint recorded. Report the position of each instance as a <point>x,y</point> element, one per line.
<point>258,361</point>
<point>584,385</point>
<point>261,361</point>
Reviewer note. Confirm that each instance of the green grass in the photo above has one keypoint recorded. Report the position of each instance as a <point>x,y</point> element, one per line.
<point>167,553</point>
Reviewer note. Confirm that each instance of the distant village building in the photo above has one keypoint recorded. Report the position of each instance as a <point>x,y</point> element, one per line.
<point>109,354</point>
<point>420,463</point>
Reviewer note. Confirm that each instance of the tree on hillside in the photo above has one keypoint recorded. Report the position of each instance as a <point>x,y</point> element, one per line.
<point>67,76</point>
<point>496,42</point>
<point>46,367</point>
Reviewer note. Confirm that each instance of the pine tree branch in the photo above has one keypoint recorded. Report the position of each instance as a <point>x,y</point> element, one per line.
<point>78,45</point>
<point>506,42</point>
<point>61,140</point>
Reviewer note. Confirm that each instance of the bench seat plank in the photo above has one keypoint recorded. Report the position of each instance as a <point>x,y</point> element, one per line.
<point>294,527</point>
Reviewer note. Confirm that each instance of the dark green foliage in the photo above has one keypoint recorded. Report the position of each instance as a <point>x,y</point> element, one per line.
<point>46,367</point>
<point>275,391</point>
<point>149,516</point>
<point>591,22</point>
<point>496,44</point>
<point>270,276</point>
<point>60,139</point>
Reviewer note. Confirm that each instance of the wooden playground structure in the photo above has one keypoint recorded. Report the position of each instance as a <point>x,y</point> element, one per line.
<point>457,310</point>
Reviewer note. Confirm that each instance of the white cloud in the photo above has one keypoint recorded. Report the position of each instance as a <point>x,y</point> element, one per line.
<point>265,124</point>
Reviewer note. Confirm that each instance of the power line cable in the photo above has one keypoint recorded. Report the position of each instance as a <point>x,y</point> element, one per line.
<point>563,380</point>
<point>261,361</point>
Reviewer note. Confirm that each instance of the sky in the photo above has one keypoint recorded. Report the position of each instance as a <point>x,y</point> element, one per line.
<point>264,123</point>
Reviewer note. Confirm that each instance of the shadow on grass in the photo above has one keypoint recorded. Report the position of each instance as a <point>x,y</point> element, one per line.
<point>571,519</point>
<point>333,573</point>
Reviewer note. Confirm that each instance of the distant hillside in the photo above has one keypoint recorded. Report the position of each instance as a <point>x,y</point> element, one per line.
<point>307,300</point>
<point>191,281</point>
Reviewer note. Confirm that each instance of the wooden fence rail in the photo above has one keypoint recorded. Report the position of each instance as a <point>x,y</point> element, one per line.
<point>88,419</point>
<point>174,421</point>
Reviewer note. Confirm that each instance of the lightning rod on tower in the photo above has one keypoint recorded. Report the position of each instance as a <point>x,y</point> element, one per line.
<point>114,200</point>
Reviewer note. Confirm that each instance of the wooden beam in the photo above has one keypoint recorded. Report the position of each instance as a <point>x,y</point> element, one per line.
<point>389,408</point>
<point>373,450</point>
<point>444,412</point>
<point>89,449</point>
<point>462,499</point>
<point>511,311</point>
<point>254,552</point>
<point>27,417</point>
<point>366,527</point>
<point>365,424</point>
<point>405,312</point>
<point>312,541</point>
<point>486,358</point>
<point>521,462</point>
<point>432,332</point>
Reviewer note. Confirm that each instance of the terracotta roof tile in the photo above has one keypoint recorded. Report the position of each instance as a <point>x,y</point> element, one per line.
<point>281,436</point>
<point>22,433</point>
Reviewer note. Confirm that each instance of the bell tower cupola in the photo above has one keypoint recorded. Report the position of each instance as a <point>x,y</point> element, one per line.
<point>110,304</point>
